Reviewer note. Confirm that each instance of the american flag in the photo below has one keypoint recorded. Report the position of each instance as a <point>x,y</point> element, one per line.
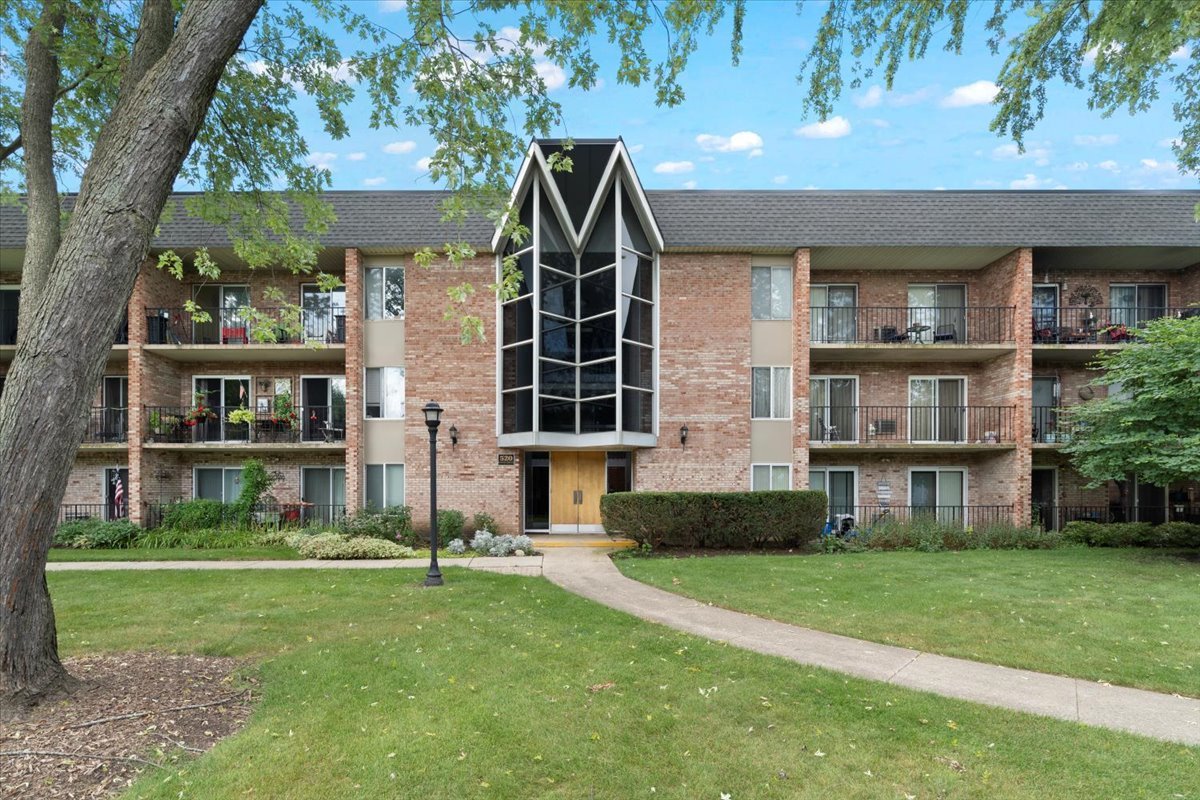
<point>118,491</point>
<point>242,393</point>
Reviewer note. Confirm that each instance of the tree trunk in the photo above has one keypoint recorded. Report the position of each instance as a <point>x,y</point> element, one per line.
<point>61,354</point>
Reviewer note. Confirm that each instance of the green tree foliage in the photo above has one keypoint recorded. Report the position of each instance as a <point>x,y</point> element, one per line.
<point>1150,426</point>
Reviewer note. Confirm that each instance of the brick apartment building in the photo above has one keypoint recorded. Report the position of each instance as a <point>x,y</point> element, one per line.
<point>901,350</point>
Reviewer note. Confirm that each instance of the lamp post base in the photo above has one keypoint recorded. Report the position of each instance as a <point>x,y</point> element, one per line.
<point>433,578</point>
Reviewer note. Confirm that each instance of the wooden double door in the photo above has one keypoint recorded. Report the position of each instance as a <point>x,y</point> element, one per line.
<point>577,481</point>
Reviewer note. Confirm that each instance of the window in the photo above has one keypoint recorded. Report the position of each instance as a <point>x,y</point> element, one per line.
<point>770,292</point>
<point>937,491</point>
<point>10,304</point>
<point>840,485</point>
<point>834,404</point>
<point>771,393</point>
<point>937,409</point>
<point>217,483</point>
<point>937,312</point>
<point>385,485</point>
<point>834,311</point>
<point>385,293</point>
<point>767,477</point>
<point>1137,303</point>
<point>385,393</point>
<point>323,493</point>
<point>324,316</point>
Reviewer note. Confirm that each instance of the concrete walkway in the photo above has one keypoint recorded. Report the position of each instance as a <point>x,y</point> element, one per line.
<point>591,574</point>
<point>512,565</point>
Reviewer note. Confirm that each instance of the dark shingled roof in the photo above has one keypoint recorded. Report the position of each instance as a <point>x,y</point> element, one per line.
<point>783,220</point>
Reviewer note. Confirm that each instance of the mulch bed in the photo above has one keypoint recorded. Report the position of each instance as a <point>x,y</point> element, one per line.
<point>132,713</point>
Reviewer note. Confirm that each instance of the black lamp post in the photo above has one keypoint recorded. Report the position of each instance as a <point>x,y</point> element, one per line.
<point>433,418</point>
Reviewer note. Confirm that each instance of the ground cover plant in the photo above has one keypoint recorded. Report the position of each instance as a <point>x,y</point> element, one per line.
<point>255,553</point>
<point>925,532</point>
<point>1123,616</point>
<point>506,687</point>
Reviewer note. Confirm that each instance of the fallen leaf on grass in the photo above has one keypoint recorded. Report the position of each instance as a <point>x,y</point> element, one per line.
<point>600,687</point>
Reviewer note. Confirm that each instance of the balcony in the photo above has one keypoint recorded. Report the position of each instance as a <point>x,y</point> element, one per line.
<point>107,428</point>
<point>1075,334</point>
<point>238,334</point>
<point>173,427</point>
<point>883,428</point>
<point>865,519</point>
<point>1050,428</point>
<point>72,512</point>
<point>272,515</point>
<point>8,336</point>
<point>1053,517</point>
<point>971,333</point>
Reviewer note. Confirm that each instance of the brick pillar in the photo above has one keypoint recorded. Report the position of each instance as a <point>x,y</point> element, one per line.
<point>354,379</point>
<point>801,367</point>
<point>1021,381</point>
<point>135,370</point>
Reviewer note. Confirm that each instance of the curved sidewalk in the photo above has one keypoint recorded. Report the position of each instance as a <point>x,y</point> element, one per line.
<point>591,574</point>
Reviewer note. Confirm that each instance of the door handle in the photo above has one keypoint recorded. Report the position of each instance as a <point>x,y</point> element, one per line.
<point>579,497</point>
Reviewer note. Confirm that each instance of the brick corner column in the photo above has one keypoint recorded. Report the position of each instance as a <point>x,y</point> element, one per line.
<point>135,375</point>
<point>801,364</point>
<point>1022,385</point>
<point>354,378</point>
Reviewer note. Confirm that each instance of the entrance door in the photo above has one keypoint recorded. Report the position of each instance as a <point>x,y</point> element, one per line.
<point>221,395</point>
<point>577,480</point>
<point>1044,496</point>
<point>1045,310</point>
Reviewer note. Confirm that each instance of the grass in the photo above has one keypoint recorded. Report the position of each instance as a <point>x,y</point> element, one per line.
<point>1123,616</point>
<point>374,687</point>
<point>176,554</point>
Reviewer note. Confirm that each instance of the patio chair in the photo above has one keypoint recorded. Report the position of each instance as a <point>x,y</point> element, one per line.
<point>945,333</point>
<point>829,433</point>
<point>890,333</point>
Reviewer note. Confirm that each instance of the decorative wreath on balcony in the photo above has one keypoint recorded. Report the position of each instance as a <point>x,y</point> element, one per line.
<point>1085,295</point>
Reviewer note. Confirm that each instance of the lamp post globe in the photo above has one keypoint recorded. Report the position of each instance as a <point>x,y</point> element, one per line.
<point>433,418</point>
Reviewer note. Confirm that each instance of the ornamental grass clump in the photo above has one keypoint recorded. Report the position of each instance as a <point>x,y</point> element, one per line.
<point>488,544</point>
<point>336,546</point>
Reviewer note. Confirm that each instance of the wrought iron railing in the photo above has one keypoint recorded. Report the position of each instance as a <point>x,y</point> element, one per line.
<point>844,518</point>
<point>107,425</point>
<point>206,424</point>
<point>912,325</point>
<point>70,512</point>
<point>1050,425</point>
<point>912,424</point>
<point>1095,325</point>
<point>1054,517</point>
<point>241,326</point>
<point>8,329</point>
<point>269,515</point>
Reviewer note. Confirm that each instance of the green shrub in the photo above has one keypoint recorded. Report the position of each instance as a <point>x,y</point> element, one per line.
<point>450,524</point>
<point>198,538</point>
<point>715,519</point>
<point>91,534</point>
<point>927,534</point>
<point>393,524</point>
<point>480,522</point>
<point>1133,534</point>
<point>196,515</point>
<point>274,538</point>
<point>339,546</point>
<point>255,483</point>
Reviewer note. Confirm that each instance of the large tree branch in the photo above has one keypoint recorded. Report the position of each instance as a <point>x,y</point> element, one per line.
<point>99,68</point>
<point>42,75</point>
<point>155,31</point>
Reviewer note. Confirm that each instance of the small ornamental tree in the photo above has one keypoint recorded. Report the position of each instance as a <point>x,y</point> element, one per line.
<point>1149,424</point>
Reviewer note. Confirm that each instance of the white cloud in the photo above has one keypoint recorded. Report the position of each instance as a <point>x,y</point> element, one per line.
<point>1078,166</point>
<point>1089,57</point>
<point>551,74</point>
<point>1031,181</point>
<point>1038,152</point>
<point>832,128</point>
<point>689,184</point>
<point>979,93</point>
<point>391,6</point>
<point>636,148</point>
<point>321,160</point>
<point>1169,143</point>
<point>870,98</point>
<point>1181,53</point>
<point>755,153</point>
<point>1109,166</point>
<point>912,98</point>
<point>879,123</point>
<point>399,148</point>
<point>1154,165</point>
<point>374,181</point>
<point>355,156</point>
<point>742,140</point>
<point>258,67</point>
<point>779,180</point>
<point>423,164</point>
<point>1096,140</point>
<point>673,167</point>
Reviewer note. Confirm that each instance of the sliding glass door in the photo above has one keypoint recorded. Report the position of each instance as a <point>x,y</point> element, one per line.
<point>937,312</point>
<point>834,414</point>
<point>939,492</point>
<point>1136,304</point>
<point>834,312</point>
<point>936,410</point>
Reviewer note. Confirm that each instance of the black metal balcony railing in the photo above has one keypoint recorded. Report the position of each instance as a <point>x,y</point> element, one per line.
<point>8,329</point>
<point>864,519</point>
<point>107,425</point>
<point>1097,325</point>
<point>177,425</point>
<point>272,515</point>
<point>912,424</point>
<point>911,325</point>
<point>71,512</point>
<point>1051,426</point>
<point>234,326</point>
<point>1054,517</point>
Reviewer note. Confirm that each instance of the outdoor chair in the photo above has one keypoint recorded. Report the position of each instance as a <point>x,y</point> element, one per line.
<point>829,433</point>
<point>945,333</point>
<point>890,333</point>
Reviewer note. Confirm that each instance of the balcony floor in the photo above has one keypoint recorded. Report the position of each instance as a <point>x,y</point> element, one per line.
<point>1070,353</point>
<point>873,351</point>
<point>249,352</point>
<point>909,447</point>
<point>245,447</point>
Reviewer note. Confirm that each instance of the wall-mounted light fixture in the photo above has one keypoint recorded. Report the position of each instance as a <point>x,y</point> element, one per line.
<point>453,436</point>
<point>683,434</point>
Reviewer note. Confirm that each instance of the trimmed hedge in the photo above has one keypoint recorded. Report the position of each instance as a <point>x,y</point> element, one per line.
<point>1133,534</point>
<point>715,519</point>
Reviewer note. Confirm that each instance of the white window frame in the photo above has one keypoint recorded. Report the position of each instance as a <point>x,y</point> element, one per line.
<point>196,484</point>
<point>383,406</point>
<point>966,476</point>
<point>966,404</point>
<point>842,435</point>
<point>827,468</point>
<point>791,291</point>
<point>819,332</point>
<point>383,294</point>
<point>772,466</point>
<point>384,466</point>
<point>300,486</point>
<point>772,398</point>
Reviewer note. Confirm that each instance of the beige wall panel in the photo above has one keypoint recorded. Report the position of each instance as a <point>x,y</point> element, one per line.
<point>771,441</point>
<point>383,441</point>
<point>384,343</point>
<point>771,342</point>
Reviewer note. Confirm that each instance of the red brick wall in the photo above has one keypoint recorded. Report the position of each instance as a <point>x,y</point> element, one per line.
<point>990,480</point>
<point>704,376</point>
<point>462,379</point>
<point>802,366</point>
<point>1182,286</point>
<point>354,378</point>
<point>85,485</point>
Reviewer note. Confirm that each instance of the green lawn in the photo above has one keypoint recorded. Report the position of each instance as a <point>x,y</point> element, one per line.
<point>374,687</point>
<point>176,554</point>
<point>1124,616</point>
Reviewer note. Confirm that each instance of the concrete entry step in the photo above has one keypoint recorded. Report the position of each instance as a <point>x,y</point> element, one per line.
<point>541,540</point>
